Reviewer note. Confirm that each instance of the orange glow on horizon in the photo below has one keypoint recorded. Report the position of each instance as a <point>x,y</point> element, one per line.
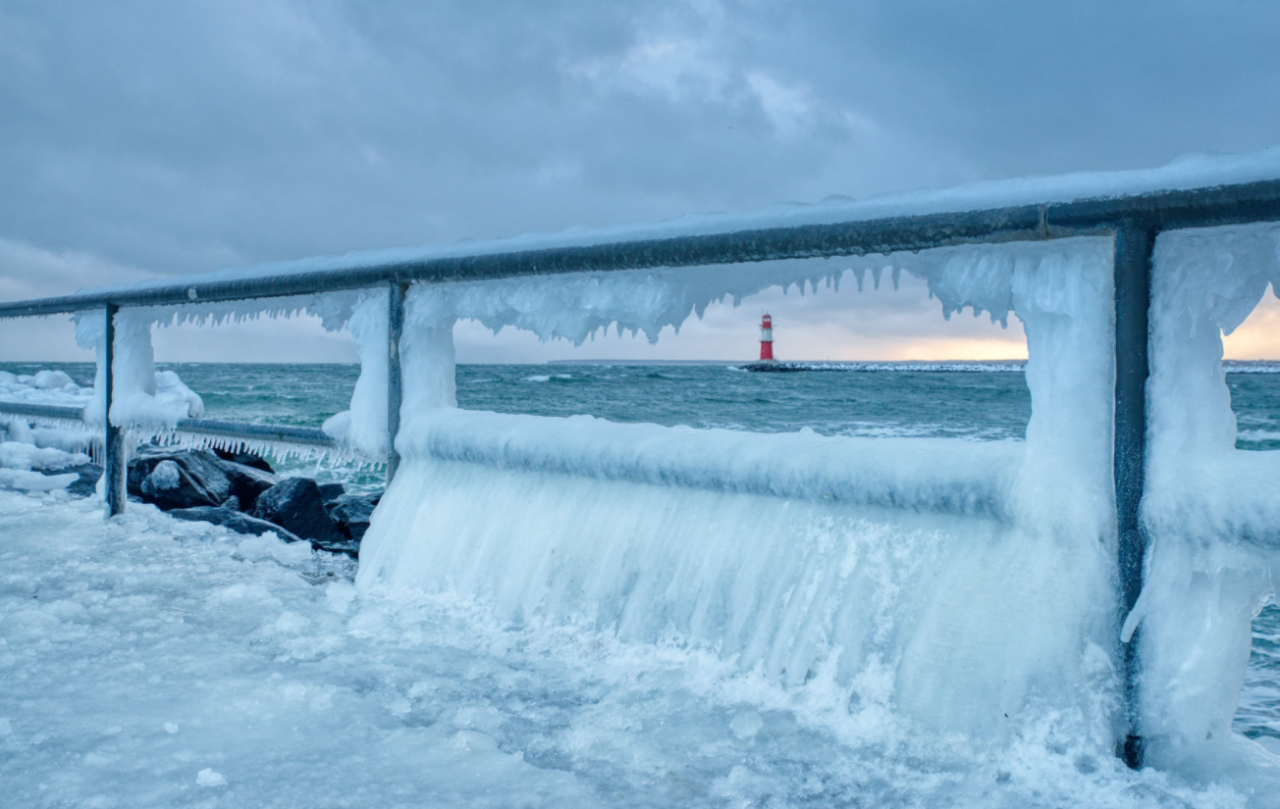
<point>1258,338</point>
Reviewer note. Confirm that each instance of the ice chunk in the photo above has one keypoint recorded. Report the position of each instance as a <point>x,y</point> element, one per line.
<point>14,455</point>
<point>34,481</point>
<point>210,778</point>
<point>53,380</point>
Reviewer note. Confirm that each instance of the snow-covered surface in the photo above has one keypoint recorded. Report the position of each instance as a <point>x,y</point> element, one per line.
<point>148,662</point>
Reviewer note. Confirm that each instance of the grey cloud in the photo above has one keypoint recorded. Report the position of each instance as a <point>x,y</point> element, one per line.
<point>176,138</point>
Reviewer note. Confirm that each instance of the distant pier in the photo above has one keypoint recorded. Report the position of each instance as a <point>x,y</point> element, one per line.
<point>942,366</point>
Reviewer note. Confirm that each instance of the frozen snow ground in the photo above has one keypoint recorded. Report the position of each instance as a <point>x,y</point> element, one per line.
<point>146,662</point>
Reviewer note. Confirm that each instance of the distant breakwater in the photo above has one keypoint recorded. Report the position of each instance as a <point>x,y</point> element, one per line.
<point>964,366</point>
<point>1005,366</point>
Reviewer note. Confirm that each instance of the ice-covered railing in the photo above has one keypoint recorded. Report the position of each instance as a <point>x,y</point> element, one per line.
<point>1061,516</point>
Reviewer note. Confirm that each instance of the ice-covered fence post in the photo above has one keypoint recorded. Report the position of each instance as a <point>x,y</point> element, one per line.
<point>1134,244</point>
<point>116,464</point>
<point>395,328</point>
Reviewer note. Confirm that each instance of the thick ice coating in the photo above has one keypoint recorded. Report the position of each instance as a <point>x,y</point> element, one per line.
<point>1211,511</point>
<point>364,426</point>
<point>955,582</point>
<point>141,397</point>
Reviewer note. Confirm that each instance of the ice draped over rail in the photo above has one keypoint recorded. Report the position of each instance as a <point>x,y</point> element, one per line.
<point>953,579</point>
<point>1212,512</point>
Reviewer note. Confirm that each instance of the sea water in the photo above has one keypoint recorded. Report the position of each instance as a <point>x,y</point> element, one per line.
<point>976,406</point>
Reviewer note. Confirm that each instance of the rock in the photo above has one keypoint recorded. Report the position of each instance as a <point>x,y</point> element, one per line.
<point>232,503</point>
<point>294,503</point>
<point>251,459</point>
<point>330,492</point>
<point>232,520</point>
<point>87,485</point>
<point>247,482</point>
<point>184,479</point>
<point>351,513</point>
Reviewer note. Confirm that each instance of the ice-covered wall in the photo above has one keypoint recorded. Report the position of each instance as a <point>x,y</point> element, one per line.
<point>1211,512</point>
<point>953,582</point>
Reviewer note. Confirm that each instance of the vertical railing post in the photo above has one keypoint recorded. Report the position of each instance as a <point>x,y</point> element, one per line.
<point>395,328</point>
<point>116,463</point>
<point>1134,244</point>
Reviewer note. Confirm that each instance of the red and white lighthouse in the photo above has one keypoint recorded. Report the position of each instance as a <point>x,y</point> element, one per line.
<point>766,339</point>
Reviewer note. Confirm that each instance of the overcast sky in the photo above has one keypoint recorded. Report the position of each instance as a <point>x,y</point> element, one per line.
<point>148,139</point>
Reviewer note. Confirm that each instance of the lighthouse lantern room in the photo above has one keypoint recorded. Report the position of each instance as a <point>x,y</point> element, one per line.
<point>766,339</point>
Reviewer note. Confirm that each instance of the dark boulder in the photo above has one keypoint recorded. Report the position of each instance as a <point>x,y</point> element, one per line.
<point>247,483</point>
<point>88,483</point>
<point>351,513</point>
<point>232,520</point>
<point>330,492</point>
<point>295,504</point>
<point>185,479</point>
<point>250,459</point>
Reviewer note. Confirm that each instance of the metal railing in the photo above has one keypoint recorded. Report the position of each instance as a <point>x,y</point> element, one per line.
<point>232,430</point>
<point>1134,221</point>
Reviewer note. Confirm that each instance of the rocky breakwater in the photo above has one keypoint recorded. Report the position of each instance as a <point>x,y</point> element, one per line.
<point>241,492</point>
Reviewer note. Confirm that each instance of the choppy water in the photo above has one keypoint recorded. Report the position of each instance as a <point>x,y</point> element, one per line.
<point>976,406</point>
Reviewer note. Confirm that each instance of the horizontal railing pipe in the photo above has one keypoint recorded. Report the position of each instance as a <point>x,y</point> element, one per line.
<point>257,432</point>
<point>1165,210</point>
<point>281,433</point>
<point>41,411</point>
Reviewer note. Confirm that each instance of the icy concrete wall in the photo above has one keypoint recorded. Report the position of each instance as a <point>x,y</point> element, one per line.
<point>951,583</point>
